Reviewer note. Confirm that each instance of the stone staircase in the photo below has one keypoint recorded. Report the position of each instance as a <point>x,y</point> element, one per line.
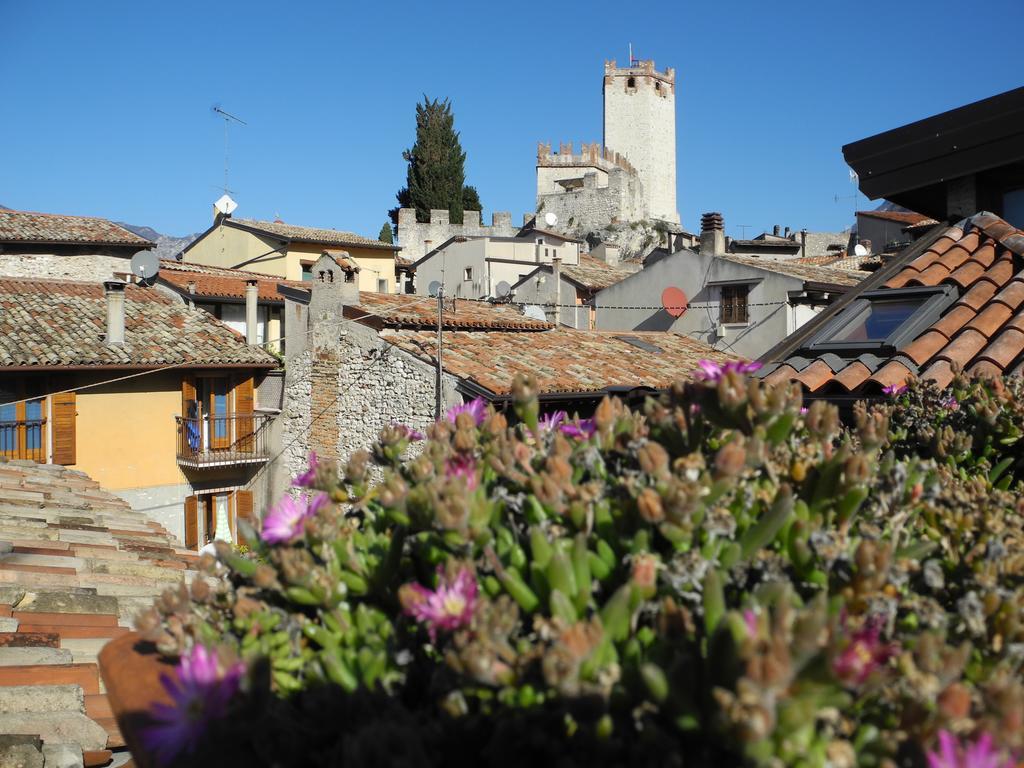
<point>76,566</point>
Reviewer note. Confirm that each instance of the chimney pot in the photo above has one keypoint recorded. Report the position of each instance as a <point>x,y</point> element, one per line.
<point>775,230</point>
<point>252,288</point>
<point>114,292</point>
<point>712,234</point>
<point>786,232</point>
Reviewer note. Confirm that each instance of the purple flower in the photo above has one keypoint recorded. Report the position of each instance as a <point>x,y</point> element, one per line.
<point>750,620</point>
<point>286,520</point>
<point>709,370</point>
<point>863,654</point>
<point>307,478</point>
<point>447,608</point>
<point>553,421</point>
<point>950,403</point>
<point>200,692</point>
<point>581,429</point>
<point>895,390</point>
<point>462,466</point>
<point>476,408</point>
<point>804,410</point>
<point>964,754</point>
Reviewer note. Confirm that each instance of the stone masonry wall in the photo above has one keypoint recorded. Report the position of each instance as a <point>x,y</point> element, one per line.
<point>419,238</point>
<point>296,416</point>
<point>91,268</point>
<point>593,208</point>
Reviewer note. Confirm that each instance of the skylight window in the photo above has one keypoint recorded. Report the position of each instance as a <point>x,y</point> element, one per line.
<point>884,320</point>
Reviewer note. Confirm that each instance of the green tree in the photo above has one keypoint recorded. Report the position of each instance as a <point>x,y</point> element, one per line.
<point>435,178</point>
<point>386,235</point>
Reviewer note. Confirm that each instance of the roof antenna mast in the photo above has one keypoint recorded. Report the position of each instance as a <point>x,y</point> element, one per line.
<point>228,118</point>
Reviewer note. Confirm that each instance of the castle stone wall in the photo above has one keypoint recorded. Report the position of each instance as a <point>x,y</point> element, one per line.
<point>419,238</point>
<point>593,207</point>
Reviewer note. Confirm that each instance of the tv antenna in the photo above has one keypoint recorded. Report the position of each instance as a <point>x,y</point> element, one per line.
<point>227,117</point>
<point>854,178</point>
<point>744,227</point>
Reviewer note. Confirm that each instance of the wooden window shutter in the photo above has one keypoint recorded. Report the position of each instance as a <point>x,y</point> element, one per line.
<point>243,511</point>
<point>192,522</point>
<point>188,393</point>
<point>64,413</point>
<point>245,404</point>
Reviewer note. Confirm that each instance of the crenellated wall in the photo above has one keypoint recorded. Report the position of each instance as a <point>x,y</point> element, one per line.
<point>419,238</point>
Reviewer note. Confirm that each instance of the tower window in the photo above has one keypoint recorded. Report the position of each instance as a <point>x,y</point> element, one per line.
<point>467,273</point>
<point>631,83</point>
<point>657,85</point>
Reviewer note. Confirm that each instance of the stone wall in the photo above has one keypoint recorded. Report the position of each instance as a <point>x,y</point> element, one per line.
<point>419,238</point>
<point>88,267</point>
<point>593,208</point>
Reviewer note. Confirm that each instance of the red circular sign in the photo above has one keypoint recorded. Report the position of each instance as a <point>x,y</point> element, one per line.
<point>674,301</point>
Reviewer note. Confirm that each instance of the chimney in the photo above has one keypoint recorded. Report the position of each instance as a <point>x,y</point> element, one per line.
<point>786,232</point>
<point>775,230</point>
<point>114,291</point>
<point>803,242</point>
<point>335,285</point>
<point>556,275</point>
<point>712,234</point>
<point>252,289</point>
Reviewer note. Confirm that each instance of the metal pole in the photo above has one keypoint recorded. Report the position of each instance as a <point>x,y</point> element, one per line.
<point>440,340</point>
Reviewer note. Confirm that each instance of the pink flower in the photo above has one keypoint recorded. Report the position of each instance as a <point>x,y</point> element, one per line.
<point>447,608</point>
<point>964,754</point>
<point>463,466</point>
<point>581,429</point>
<point>553,421</point>
<point>750,620</point>
<point>804,410</point>
<point>200,693</point>
<point>307,478</point>
<point>709,370</point>
<point>895,390</point>
<point>410,434</point>
<point>950,403</point>
<point>286,520</point>
<point>476,408</point>
<point>863,654</point>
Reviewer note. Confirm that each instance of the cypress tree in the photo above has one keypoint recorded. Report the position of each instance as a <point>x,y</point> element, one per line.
<point>436,172</point>
<point>386,236</point>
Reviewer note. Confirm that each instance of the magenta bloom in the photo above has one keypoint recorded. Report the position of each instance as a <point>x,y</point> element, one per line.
<point>895,390</point>
<point>581,429</point>
<point>476,408</point>
<point>448,607</point>
<point>200,693</point>
<point>862,655</point>
<point>750,620</point>
<point>286,520</point>
<point>552,421</point>
<point>950,403</point>
<point>462,466</point>
<point>964,754</point>
<point>709,370</point>
<point>307,478</point>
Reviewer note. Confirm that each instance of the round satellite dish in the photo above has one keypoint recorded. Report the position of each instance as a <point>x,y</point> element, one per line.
<point>860,250</point>
<point>145,265</point>
<point>533,312</point>
<point>503,289</point>
<point>225,205</point>
<point>434,288</point>
<point>550,219</point>
<point>674,301</point>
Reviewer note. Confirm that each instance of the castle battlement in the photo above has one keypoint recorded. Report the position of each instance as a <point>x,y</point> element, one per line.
<point>639,69</point>
<point>592,155</point>
<point>417,238</point>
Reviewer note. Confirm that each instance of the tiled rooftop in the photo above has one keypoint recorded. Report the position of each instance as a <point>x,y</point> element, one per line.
<point>594,274</point>
<point>981,331</point>
<point>562,359</point>
<point>899,217</point>
<point>798,269</point>
<point>31,227</point>
<point>318,235</point>
<point>408,311</point>
<point>76,565</point>
<point>221,282</point>
<point>54,323</point>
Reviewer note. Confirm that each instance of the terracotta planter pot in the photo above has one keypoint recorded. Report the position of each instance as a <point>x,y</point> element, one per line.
<point>131,669</point>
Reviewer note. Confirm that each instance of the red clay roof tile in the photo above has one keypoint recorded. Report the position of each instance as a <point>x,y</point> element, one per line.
<point>986,368</point>
<point>966,275</point>
<point>963,348</point>
<point>925,346</point>
<point>940,372</point>
<point>979,295</point>
<point>1004,348</point>
<point>852,376</point>
<point>991,318</point>
<point>1012,295</point>
<point>893,373</point>
<point>954,321</point>
<point>814,375</point>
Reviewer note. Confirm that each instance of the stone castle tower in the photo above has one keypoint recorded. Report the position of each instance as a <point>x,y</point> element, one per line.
<point>640,124</point>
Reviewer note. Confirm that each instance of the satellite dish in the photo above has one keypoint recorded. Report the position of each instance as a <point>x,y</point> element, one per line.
<point>550,219</point>
<point>503,289</point>
<point>673,300</point>
<point>145,265</point>
<point>434,288</point>
<point>860,250</point>
<point>534,312</point>
<point>225,205</point>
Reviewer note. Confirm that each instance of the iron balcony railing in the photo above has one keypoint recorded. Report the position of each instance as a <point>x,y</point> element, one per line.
<point>23,439</point>
<point>221,440</point>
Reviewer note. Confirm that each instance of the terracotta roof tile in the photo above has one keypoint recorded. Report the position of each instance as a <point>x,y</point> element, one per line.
<point>318,235</point>
<point>219,282</point>
<point>409,311</point>
<point>986,369</point>
<point>982,330</point>
<point>31,227</point>
<point>594,274</point>
<point>900,217</point>
<point>562,359</point>
<point>782,373</point>
<point>795,268</point>
<point>55,323</point>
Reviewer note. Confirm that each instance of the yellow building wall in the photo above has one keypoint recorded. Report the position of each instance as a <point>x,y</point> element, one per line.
<point>374,264</point>
<point>126,436</point>
<point>235,248</point>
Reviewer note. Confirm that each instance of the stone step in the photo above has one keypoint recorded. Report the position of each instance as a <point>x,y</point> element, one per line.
<point>21,751</point>
<point>73,631</point>
<point>61,602</point>
<point>57,561</point>
<point>85,675</point>
<point>57,728</point>
<point>19,699</point>
<point>66,619</point>
<point>25,656</point>
<point>63,756</point>
<point>29,640</point>
<point>85,650</point>
<point>114,737</point>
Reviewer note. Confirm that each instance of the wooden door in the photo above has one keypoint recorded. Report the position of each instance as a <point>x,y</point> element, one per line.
<point>220,413</point>
<point>242,507</point>
<point>64,411</point>
<point>192,522</point>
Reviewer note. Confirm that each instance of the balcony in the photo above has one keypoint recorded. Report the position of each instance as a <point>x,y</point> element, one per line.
<point>218,441</point>
<point>23,439</point>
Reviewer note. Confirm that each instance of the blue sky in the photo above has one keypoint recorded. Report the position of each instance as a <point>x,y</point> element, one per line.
<point>108,103</point>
